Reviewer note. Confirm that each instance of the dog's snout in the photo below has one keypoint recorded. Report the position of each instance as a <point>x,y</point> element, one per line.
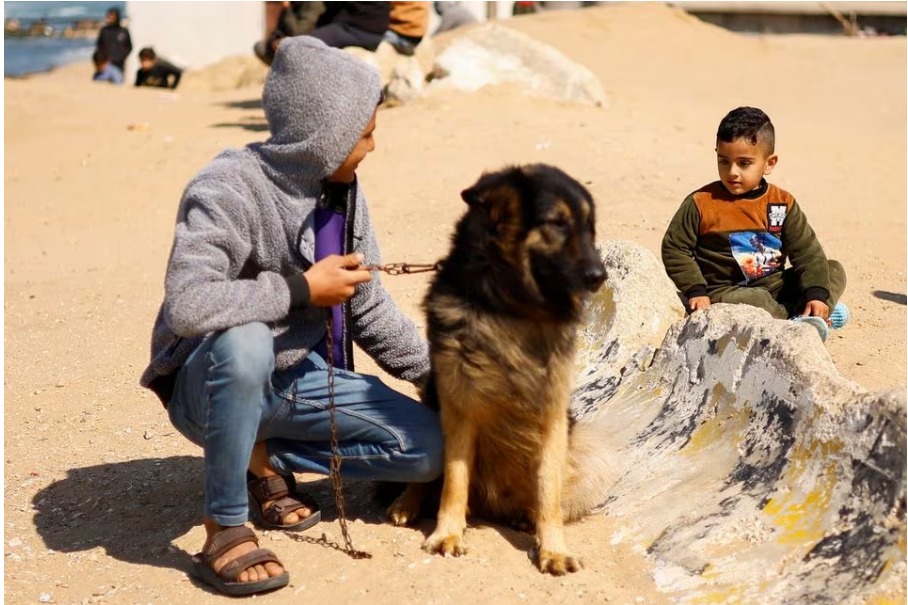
<point>593,277</point>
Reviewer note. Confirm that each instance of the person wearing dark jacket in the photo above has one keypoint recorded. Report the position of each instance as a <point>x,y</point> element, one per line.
<point>156,72</point>
<point>360,24</point>
<point>114,40</point>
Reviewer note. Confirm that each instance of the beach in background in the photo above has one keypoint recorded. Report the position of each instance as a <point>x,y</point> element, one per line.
<point>27,54</point>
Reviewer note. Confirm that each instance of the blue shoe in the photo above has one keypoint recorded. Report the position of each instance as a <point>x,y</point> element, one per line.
<point>817,322</point>
<point>839,316</point>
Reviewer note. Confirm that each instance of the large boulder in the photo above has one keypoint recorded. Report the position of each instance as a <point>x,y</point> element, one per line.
<point>750,470</point>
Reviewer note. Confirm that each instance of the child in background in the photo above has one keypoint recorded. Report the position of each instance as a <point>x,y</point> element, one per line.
<point>105,71</point>
<point>155,71</point>
<point>729,240</point>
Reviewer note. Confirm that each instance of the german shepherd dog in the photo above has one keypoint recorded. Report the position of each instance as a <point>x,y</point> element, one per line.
<point>503,313</point>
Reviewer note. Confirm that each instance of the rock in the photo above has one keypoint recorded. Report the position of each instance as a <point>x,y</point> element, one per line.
<point>735,429</point>
<point>495,54</point>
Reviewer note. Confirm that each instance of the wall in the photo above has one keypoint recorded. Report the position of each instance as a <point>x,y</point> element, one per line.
<point>194,34</point>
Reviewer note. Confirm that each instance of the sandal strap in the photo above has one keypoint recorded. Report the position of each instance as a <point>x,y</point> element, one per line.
<point>233,569</point>
<point>276,512</point>
<point>268,488</point>
<point>226,539</point>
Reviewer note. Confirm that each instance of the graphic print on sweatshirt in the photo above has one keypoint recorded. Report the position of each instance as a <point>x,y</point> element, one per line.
<point>758,253</point>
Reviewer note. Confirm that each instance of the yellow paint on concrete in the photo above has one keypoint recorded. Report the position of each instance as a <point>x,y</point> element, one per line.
<point>729,424</point>
<point>798,516</point>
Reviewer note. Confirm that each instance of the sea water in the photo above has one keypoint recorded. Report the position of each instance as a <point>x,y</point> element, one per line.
<point>26,55</point>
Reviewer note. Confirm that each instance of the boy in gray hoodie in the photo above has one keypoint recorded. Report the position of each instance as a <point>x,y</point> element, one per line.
<point>271,241</point>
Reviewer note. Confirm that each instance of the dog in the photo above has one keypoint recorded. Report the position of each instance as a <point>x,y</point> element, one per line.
<point>502,318</point>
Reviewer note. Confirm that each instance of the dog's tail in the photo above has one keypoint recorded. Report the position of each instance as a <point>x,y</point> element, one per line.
<point>591,467</point>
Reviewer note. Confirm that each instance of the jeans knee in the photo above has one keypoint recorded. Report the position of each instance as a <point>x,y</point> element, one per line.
<point>431,465</point>
<point>246,354</point>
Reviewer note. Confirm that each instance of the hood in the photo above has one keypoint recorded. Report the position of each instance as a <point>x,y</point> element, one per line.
<point>317,100</point>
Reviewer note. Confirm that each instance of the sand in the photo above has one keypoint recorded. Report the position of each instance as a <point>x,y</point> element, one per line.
<point>102,496</point>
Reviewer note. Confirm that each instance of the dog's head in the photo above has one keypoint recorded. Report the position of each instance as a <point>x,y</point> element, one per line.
<point>539,226</point>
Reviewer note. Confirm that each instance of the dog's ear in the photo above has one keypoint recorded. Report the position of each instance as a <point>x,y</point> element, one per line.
<point>483,192</point>
<point>472,196</point>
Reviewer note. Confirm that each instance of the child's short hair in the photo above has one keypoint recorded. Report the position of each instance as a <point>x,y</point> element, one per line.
<point>748,123</point>
<point>147,54</point>
<point>99,58</point>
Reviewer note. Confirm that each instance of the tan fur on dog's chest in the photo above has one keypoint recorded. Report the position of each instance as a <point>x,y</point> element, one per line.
<point>510,377</point>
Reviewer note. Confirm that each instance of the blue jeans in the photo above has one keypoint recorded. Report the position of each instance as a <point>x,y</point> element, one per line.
<point>228,397</point>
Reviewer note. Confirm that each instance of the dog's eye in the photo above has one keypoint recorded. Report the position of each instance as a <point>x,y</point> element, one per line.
<point>558,223</point>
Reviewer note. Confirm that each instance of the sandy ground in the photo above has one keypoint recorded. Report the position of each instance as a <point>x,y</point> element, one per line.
<point>102,497</point>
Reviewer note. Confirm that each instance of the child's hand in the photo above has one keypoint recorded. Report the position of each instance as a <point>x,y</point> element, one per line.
<point>333,279</point>
<point>817,308</point>
<point>698,302</point>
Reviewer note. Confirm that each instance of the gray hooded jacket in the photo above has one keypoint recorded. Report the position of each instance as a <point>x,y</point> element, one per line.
<point>245,225</point>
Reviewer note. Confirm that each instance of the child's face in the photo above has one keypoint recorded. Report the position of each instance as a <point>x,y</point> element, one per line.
<point>147,63</point>
<point>742,165</point>
<point>347,171</point>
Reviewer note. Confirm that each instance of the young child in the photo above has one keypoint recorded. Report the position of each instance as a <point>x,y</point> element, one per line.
<point>155,71</point>
<point>105,71</point>
<point>271,241</point>
<point>729,240</point>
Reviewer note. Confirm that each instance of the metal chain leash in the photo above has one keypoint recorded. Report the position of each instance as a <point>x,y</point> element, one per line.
<point>404,268</point>
<point>336,481</point>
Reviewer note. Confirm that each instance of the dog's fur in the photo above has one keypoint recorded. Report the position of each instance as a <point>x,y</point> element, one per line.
<point>503,314</point>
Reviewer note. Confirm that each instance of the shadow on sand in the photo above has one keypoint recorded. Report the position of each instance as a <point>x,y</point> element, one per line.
<point>253,123</point>
<point>135,510</point>
<point>900,299</point>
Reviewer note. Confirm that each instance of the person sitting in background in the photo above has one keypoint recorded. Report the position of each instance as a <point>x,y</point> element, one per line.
<point>295,19</point>
<point>114,40</point>
<point>361,24</point>
<point>155,71</point>
<point>409,23</point>
<point>105,71</point>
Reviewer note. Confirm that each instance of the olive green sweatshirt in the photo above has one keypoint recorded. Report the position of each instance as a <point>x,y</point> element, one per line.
<point>717,239</point>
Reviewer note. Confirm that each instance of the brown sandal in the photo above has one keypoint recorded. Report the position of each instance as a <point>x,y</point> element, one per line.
<point>225,580</point>
<point>282,493</point>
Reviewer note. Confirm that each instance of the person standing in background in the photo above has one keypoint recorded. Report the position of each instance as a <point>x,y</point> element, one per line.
<point>114,40</point>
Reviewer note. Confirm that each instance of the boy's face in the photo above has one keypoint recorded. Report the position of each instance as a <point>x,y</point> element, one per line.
<point>347,171</point>
<point>147,63</point>
<point>742,165</point>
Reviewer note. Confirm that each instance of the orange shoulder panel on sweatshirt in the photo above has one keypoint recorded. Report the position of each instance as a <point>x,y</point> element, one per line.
<point>721,212</point>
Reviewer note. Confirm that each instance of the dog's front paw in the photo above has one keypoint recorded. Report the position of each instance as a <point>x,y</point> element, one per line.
<point>447,544</point>
<point>404,510</point>
<point>557,563</point>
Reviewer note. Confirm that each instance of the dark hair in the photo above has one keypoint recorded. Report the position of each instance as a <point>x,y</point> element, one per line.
<point>748,123</point>
<point>100,57</point>
<point>147,54</point>
<point>116,13</point>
